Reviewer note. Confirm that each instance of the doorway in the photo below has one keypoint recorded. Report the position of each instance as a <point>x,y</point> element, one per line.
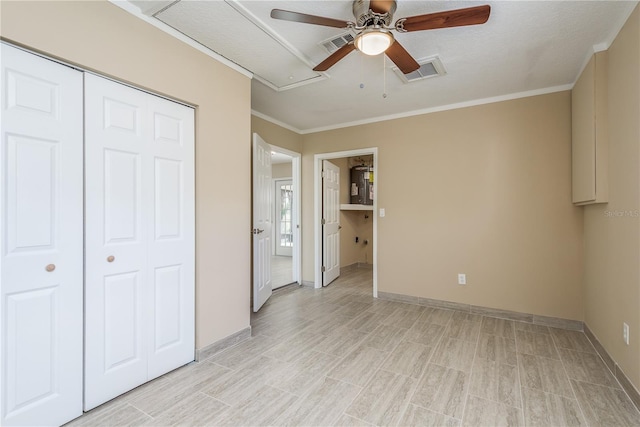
<point>284,226</point>
<point>276,219</point>
<point>319,209</point>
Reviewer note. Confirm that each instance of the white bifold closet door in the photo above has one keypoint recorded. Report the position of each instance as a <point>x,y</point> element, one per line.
<point>139,231</point>
<point>41,241</point>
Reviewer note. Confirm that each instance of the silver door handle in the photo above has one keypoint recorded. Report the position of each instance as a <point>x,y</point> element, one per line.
<point>256,231</point>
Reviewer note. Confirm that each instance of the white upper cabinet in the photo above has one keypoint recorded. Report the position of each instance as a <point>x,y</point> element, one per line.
<point>589,133</point>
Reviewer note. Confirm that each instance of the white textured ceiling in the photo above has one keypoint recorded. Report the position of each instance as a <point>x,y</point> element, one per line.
<point>526,46</point>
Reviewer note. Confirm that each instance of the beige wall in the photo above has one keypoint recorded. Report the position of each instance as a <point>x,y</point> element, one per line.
<point>99,36</point>
<point>484,191</point>
<point>612,242</point>
<point>281,170</point>
<point>276,135</point>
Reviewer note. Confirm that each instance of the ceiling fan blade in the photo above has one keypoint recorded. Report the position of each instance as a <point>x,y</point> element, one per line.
<point>335,57</point>
<point>287,15</point>
<point>451,18</point>
<point>402,58</point>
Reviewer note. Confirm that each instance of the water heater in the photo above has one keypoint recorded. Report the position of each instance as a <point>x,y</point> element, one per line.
<point>361,187</point>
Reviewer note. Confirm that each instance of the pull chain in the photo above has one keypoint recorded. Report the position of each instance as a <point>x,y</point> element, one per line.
<point>384,75</point>
<point>361,82</point>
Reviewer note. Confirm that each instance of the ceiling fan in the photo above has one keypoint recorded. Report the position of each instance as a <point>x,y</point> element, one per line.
<point>373,19</point>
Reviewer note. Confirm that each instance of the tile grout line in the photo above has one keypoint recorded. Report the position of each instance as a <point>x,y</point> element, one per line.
<point>433,352</point>
<point>592,383</point>
<point>564,368</point>
<point>435,412</point>
<point>608,370</point>
<point>475,355</point>
<point>138,409</point>
<point>515,341</point>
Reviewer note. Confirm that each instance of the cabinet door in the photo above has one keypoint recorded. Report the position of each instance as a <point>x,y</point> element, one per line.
<point>583,145</point>
<point>590,133</point>
<point>41,235</point>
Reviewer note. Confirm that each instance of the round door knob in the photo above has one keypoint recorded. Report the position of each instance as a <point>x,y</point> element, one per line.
<point>111,258</point>
<point>50,267</point>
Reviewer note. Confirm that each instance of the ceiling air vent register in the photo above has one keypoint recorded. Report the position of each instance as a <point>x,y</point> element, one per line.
<point>335,43</point>
<point>429,67</point>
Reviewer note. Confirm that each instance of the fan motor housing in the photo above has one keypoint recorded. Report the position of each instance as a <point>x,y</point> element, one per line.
<point>365,15</point>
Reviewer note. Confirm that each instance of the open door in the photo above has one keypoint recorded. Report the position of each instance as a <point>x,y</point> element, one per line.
<point>330,222</point>
<point>261,222</point>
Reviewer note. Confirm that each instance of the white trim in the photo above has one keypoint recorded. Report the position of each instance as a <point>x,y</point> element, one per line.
<point>269,31</point>
<point>297,209</point>
<point>464,104</point>
<point>135,11</point>
<point>317,210</point>
<point>606,44</point>
<point>275,122</point>
<point>310,80</point>
<point>296,175</point>
<point>282,42</point>
<point>600,47</point>
<point>290,153</point>
<point>618,27</point>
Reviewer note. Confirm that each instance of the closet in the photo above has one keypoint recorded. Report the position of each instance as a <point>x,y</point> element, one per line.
<point>97,239</point>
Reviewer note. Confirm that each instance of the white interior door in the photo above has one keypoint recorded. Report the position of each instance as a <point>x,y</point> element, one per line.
<point>139,228</point>
<point>330,222</point>
<point>283,217</point>
<point>115,357</point>
<point>41,235</point>
<point>170,188</point>
<point>261,222</point>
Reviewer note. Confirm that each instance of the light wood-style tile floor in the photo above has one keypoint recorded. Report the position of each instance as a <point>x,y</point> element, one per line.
<point>281,271</point>
<point>337,356</point>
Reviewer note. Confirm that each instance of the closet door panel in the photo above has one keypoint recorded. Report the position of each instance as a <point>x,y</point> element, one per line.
<point>41,241</point>
<point>139,238</point>
<point>115,254</point>
<point>171,245</point>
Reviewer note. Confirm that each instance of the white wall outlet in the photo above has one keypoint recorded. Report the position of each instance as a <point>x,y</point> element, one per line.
<point>625,333</point>
<point>382,213</point>
<point>462,279</point>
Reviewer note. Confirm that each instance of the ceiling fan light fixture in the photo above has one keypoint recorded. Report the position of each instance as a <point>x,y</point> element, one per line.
<point>373,42</point>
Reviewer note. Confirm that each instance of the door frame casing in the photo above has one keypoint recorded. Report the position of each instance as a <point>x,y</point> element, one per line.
<point>317,210</point>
